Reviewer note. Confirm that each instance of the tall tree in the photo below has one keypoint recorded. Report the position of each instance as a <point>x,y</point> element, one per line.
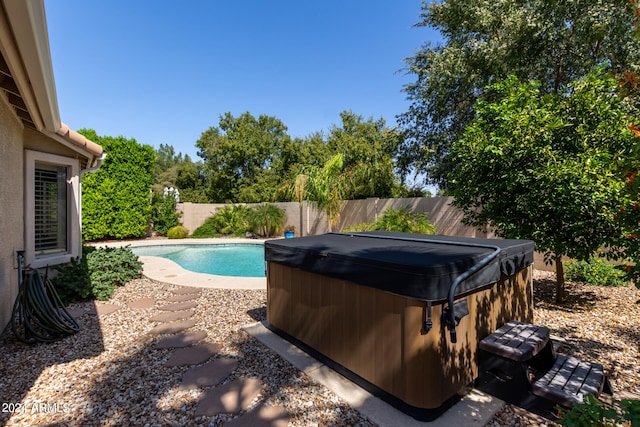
<point>238,155</point>
<point>553,42</point>
<point>166,158</point>
<point>368,148</point>
<point>546,167</point>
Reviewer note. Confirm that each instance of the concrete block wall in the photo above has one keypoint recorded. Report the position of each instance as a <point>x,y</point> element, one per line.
<point>446,218</point>
<point>309,220</point>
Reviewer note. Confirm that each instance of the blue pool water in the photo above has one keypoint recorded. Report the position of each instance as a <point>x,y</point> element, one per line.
<point>243,260</point>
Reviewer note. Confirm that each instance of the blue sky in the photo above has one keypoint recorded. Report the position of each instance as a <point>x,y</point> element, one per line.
<point>163,72</point>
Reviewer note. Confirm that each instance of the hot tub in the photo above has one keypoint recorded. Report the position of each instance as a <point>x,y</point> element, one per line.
<point>376,307</point>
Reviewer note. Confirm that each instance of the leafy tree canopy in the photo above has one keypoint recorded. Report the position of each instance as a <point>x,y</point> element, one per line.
<point>546,166</point>
<point>368,148</point>
<point>255,160</point>
<point>552,42</point>
<point>238,155</point>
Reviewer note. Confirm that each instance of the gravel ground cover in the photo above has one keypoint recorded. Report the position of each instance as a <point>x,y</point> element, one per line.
<point>594,323</point>
<point>111,373</point>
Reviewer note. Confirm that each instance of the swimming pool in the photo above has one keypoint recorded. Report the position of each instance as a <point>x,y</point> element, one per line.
<point>239,260</point>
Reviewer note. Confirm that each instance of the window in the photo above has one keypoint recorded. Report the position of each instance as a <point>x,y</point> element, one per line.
<point>50,209</point>
<point>52,203</point>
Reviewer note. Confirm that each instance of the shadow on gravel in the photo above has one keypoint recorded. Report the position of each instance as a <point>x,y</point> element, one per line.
<point>124,394</point>
<point>20,369</point>
<point>544,294</point>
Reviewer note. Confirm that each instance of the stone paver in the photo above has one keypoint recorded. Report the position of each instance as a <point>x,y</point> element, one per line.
<point>193,355</point>
<point>183,297</point>
<point>142,303</point>
<point>172,327</point>
<point>172,316</point>
<point>179,306</point>
<point>209,374</point>
<point>103,308</point>
<point>183,339</point>
<point>186,290</point>
<point>235,396</point>
<point>262,416</point>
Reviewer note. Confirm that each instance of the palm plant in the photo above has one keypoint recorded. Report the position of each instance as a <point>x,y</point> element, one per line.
<point>267,220</point>
<point>324,188</point>
<point>231,220</point>
<point>299,193</point>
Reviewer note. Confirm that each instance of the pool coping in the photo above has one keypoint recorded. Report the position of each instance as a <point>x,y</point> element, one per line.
<point>166,271</point>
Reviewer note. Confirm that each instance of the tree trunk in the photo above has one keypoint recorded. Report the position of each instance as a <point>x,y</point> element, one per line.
<point>300,203</point>
<point>559,279</point>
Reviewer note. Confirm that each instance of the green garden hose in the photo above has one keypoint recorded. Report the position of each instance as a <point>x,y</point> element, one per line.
<point>38,314</point>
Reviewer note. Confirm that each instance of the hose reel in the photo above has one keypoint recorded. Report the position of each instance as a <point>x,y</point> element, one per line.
<point>38,313</point>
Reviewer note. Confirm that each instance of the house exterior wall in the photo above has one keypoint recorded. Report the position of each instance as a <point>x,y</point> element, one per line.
<point>12,202</point>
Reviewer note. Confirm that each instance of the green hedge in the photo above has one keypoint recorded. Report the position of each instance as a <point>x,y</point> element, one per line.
<point>115,198</point>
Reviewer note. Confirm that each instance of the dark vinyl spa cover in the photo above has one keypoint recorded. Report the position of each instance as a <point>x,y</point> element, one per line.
<point>401,263</point>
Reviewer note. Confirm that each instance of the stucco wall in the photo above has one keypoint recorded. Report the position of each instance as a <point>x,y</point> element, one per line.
<point>11,207</point>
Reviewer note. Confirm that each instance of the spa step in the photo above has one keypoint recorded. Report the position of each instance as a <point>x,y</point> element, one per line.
<point>517,341</point>
<point>569,380</point>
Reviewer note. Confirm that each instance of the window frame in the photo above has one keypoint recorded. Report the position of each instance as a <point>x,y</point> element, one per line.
<point>73,209</point>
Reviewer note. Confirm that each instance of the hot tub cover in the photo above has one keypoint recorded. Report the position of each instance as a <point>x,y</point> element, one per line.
<point>417,266</point>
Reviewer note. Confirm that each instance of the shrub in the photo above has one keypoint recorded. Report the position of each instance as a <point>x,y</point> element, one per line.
<point>207,229</point>
<point>229,220</point>
<point>177,232</point>
<point>401,220</point>
<point>267,220</point>
<point>163,213</point>
<point>595,271</point>
<point>73,281</point>
<point>363,226</point>
<point>593,412</point>
<point>97,273</point>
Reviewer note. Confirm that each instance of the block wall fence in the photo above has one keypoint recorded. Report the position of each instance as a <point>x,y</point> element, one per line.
<point>308,220</point>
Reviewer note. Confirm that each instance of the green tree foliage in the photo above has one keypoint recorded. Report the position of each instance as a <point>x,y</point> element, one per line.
<point>163,213</point>
<point>252,160</point>
<point>546,167</point>
<point>166,159</point>
<point>368,148</point>
<point>553,42</point>
<point>178,171</point>
<point>628,245</point>
<point>191,181</point>
<point>267,220</point>
<point>401,220</point>
<point>228,220</point>
<point>239,155</point>
<point>324,187</point>
<point>115,199</point>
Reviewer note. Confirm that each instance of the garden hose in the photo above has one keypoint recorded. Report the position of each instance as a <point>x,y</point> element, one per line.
<point>38,313</point>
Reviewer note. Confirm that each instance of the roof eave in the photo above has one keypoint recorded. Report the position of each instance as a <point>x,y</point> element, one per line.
<point>35,79</point>
<point>27,45</point>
